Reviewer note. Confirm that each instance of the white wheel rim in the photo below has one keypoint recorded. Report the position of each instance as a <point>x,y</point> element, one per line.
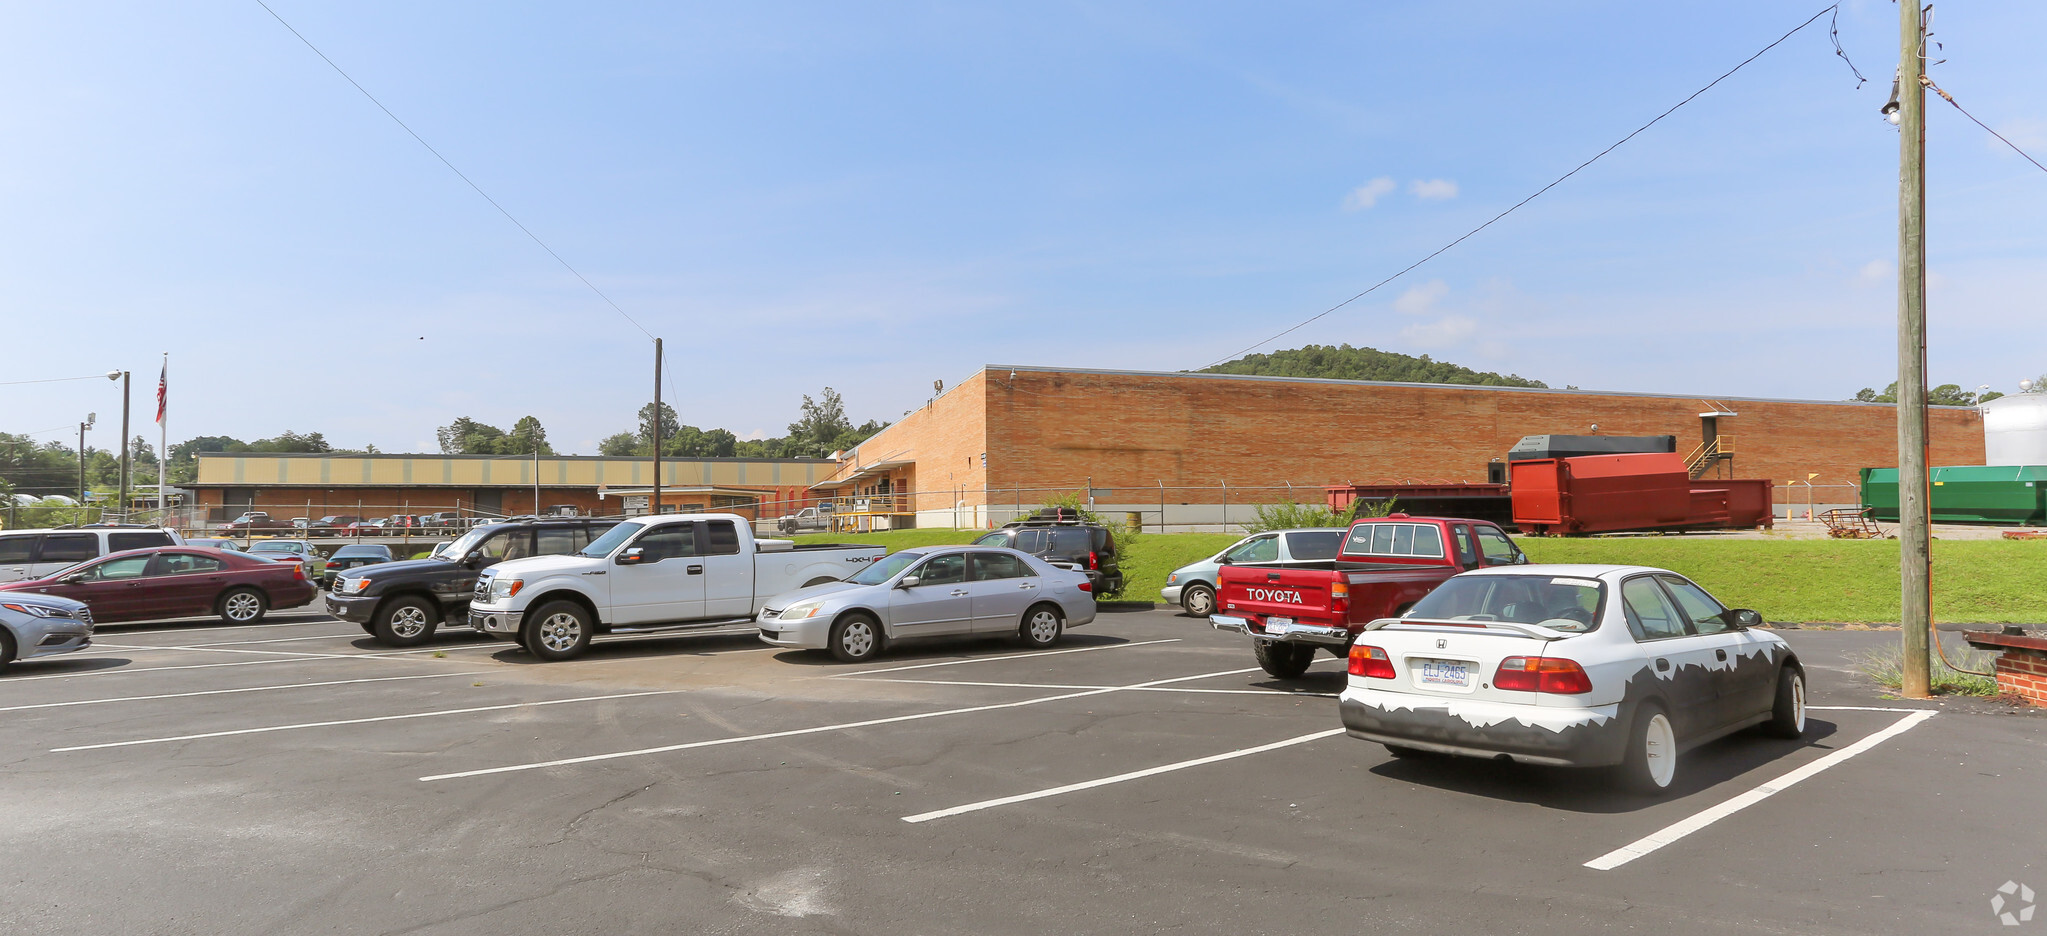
<point>1199,601</point>
<point>408,621</point>
<point>1659,751</point>
<point>858,639</point>
<point>242,607</point>
<point>1798,702</point>
<point>560,632</point>
<point>1044,626</point>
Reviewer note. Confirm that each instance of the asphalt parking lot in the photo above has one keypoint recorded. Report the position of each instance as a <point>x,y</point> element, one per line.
<point>293,777</point>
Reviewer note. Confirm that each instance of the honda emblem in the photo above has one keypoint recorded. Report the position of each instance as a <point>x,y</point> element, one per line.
<point>1440,644</point>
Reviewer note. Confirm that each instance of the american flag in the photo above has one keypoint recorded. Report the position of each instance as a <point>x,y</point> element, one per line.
<point>162,390</point>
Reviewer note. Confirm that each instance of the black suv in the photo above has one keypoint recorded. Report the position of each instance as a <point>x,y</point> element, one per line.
<point>1058,534</point>
<point>400,603</point>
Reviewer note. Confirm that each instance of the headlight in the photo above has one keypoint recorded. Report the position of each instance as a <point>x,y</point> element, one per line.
<point>31,610</point>
<point>357,585</point>
<point>506,588</point>
<point>801,610</point>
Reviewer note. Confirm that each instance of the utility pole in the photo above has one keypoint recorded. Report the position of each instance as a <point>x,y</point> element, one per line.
<point>122,504</point>
<point>536,475</point>
<point>90,418</point>
<point>654,503</point>
<point>1914,532</point>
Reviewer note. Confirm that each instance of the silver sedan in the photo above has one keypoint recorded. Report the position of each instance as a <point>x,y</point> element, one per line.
<point>932,592</point>
<point>34,625</point>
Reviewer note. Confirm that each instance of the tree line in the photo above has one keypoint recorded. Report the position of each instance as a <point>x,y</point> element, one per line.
<point>820,429</point>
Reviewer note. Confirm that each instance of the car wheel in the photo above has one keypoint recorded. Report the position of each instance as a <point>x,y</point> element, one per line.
<point>1198,600</point>
<point>1041,627</point>
<point>1286,661</point>
<point>243,606</point>
<point>1651,762</point>
<point>557,630</point>
<point>6,648</point>
<point>406,622</point>
<point>1787,718</point>
<point>855,638</point>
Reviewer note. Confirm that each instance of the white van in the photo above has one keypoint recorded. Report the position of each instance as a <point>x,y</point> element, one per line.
<point>32,554</point>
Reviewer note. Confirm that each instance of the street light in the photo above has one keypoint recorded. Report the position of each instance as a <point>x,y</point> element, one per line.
<point>90,418</point>
<point>122,376</point>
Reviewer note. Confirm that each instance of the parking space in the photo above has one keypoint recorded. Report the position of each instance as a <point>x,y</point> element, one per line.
<point>296,777</point>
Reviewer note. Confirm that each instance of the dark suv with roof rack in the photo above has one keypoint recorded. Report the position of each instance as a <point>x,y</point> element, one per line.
<point>1063,535</point>
<point>401,603</point>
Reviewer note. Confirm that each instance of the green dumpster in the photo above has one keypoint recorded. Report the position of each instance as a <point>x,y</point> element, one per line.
<point>2010,495</point>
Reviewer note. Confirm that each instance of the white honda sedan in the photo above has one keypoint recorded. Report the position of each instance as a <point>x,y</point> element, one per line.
<point>1571,665</point>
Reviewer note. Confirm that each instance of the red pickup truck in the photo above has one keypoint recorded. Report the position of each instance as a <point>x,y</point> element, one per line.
<point>1385,565</point>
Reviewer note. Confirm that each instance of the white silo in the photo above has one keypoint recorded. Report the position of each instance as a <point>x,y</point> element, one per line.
<point>2015,430</point>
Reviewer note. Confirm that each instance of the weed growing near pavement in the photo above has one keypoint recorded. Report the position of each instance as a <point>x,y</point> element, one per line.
<point>1887,668</point>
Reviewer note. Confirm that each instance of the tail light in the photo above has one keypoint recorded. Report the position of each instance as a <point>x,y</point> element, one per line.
<point>298,571</point>
<point>1339,598</point>
<point>1370,662</point>
<point>1542,674</point>
<point>1094,560</point>
<point>1087,586</point>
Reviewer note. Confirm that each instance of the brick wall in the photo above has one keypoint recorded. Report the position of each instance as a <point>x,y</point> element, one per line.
<point>1053,429</point>
<point>2024,672</point>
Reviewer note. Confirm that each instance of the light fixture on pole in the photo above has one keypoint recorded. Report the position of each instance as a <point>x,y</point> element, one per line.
<point>1890,109</point>
<point>90,418</point>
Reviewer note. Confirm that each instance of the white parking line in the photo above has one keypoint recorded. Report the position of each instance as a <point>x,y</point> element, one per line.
<point>1119,778</point>
<point>123,670</point>
<point>1026,685</point>
<point>591,758</point>
<point>202,649</point>
<point>207,692</point>
<point>193,630</point>
<point>1862,708</point>
<point>358,721</point>
<point>1011,656</point>
<point>1679,830</point>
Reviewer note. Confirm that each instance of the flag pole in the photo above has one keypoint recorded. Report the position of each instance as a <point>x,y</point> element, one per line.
<point>163,442</point>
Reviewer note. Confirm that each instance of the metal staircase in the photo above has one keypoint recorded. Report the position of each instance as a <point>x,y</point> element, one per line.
<point>1708,454</point>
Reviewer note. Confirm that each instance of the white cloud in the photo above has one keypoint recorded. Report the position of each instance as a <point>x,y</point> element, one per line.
<point>1420,299</point>
<point>1446,332</point>
<point>2026,133</point>
<point>1367,195</point>
<point>1875,271</point>
<point>1428,189</point>
<point>756,435</point>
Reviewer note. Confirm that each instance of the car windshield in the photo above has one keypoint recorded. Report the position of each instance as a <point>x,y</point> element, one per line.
<point>603,545</point>
<point>463,546</point>
<point>275,546</point>
<point>350,551</point>
<point>1558,602</point>
<point>887,568</point>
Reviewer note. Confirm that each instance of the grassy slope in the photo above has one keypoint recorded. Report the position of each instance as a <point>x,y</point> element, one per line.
<point>1833,581</point>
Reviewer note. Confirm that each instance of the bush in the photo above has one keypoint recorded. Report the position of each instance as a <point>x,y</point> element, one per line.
<point>1287,515</point>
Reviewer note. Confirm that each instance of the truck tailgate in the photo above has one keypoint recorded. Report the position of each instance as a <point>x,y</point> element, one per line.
<point>1299,594</point>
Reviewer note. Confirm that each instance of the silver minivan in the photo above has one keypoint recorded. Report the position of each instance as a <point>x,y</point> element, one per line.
<point>32,554</point>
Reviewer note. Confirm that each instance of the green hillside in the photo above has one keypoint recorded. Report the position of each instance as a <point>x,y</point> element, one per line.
<point>1344,362</point>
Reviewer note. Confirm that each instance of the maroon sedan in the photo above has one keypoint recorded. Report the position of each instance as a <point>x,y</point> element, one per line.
<point>178,581</point>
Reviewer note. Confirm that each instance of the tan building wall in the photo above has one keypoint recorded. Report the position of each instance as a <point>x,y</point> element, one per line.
<point>1047,429</point>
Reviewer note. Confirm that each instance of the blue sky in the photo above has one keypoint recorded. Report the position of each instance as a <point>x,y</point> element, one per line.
<point>876,196</point>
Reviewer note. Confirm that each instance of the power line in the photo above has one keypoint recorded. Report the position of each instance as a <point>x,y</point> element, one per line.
<point>1986,127</point>
<point>451,168</point>
<point>1538,192</point>
<point>10,383</point>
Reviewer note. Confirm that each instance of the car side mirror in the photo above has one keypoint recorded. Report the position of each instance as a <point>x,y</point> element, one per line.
<point>907,581</point>
<point>633,556</point>
<point>1744,619</point>
<point>72,579</point>
<point>1225,560</point>
<point>472,561</point>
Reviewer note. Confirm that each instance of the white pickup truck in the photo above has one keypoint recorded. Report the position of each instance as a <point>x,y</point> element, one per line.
<point>672,573</point>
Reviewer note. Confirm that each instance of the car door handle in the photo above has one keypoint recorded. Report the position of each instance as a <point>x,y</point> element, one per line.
<point>1028,585</point>
<point>960,593</point>
<point>696,570</point>
<point>1720,655</point>
<point>1662,665</point>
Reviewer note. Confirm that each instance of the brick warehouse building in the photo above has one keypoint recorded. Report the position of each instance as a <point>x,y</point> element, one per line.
<point>1181,448</point>
<point>380,485</point>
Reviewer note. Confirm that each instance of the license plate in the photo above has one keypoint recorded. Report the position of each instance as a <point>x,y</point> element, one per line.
<point>1453,673</point>
<point>1278,625</point>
